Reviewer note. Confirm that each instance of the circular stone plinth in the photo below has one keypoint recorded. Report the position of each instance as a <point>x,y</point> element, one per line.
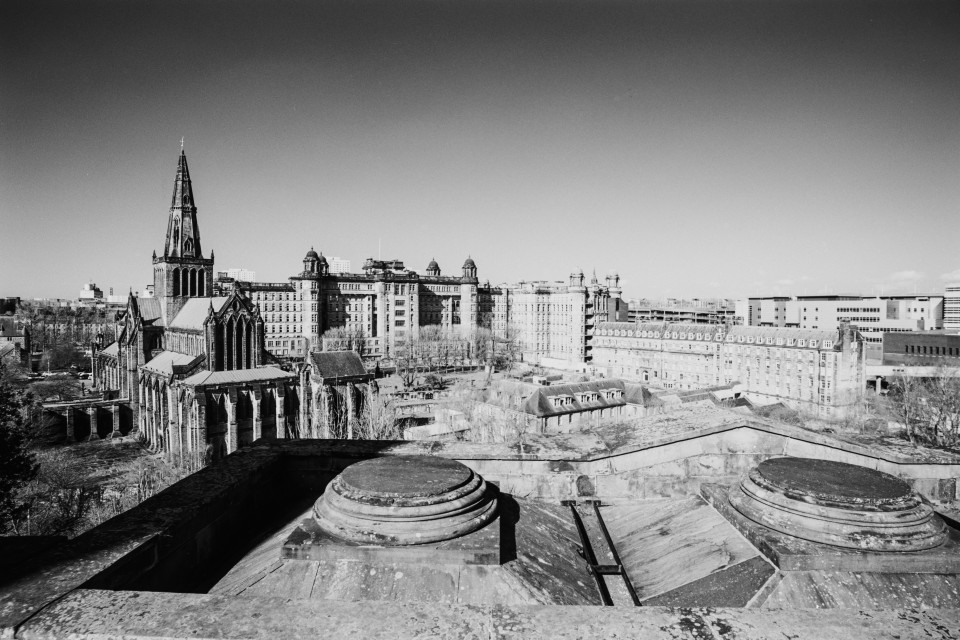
<point>839,504</point>
<point>401,500</point>
<point>404,478</point>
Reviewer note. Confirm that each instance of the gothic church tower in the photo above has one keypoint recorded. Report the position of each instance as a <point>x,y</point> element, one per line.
<point>181,272</point>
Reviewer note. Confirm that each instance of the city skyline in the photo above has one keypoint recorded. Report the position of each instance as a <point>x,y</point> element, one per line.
<point>698,149</point>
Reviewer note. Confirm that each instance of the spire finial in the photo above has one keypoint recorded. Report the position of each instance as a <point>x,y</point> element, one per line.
<point>181,144</point>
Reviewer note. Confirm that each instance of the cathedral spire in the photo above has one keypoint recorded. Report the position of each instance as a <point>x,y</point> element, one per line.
<point>183,233</point>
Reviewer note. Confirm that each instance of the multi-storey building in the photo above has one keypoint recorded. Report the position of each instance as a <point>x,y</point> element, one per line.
<point>339,265</point>
<point>951,307</point>
<point>922,348</point>
<point>872,316</point>
<point>555,322</point>
<point>650,312</point>
<point>818,370</point>
<point>388,305</point>
<point>385,306</point>
<point>763,312</point>
<point>246,275</point>
<point>90,291</point>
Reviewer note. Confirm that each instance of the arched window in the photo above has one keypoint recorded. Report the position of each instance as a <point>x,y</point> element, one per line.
<point>228,346</point>
<point>176,282</point>
<point>238,348</point>
<point>248,351</point>
<point>193,282</point>
<point>201,283</point>
<point>185,282</point>
<point>218,347</point>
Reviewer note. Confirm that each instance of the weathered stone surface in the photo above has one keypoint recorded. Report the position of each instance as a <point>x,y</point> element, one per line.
<point>862,590</point>
<point>183,534</point>
<point>671,548</point>
<point>402,500</point>
<point>733,586</point>
<point>791,553</point>
<point>839,504</point>
<point>541,566</point>
<point>837,624</point>
<point>404,477</point>
<point>309,541</point>
<point>136,615</point>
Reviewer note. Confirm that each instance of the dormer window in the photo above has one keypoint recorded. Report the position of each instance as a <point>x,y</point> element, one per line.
<point>801,342</point>
<point>828,344</point>
<point>813,344</point>
<point>612,394</point>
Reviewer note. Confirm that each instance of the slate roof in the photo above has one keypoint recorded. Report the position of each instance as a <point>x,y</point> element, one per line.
<point>688,330</point>
<point>639,395</point>
<point>149,309</point>
<point>195,311</point>
<point>783,332</point>
<point>338,364</point>
<point>112,349</point>
<point>9,330</point>
<point>6,349</point>
<point>168,362</point>
<point>237,376</point>
<point>537,399</point>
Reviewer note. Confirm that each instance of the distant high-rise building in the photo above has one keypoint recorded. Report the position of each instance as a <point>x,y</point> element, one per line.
<point>338,265</point>
<point>951,307</point>
<point>90,291</point>
<point>247,275</point>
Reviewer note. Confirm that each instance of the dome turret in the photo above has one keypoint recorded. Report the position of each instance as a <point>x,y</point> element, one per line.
<point>469,269</point>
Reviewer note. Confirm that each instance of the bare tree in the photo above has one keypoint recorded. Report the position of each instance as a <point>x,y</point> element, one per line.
<point>929,408</point>
<point>377,418</point>
<point>345,339</point>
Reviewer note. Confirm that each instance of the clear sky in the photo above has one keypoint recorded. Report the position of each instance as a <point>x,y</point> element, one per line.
<point>707,149</point>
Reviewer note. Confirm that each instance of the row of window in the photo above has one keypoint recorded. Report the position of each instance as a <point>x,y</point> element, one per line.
<point>926,350</point>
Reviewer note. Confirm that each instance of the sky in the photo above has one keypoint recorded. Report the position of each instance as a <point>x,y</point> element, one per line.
<point>708,149</point>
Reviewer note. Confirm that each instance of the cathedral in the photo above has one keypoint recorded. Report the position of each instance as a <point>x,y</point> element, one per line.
<point>193,365</point>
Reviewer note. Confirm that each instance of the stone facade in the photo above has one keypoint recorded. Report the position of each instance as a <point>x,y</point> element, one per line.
<point>192,367</point>
<point>820,371</point>
<point>385,306</point>
<point>555,323</point>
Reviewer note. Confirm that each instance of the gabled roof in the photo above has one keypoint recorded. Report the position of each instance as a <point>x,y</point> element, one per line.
<point>337,364</point>
<point>237,376</point>
<point>149,309</point>
<point>112,349</point>
<point>170,362</point>
<point>194,312</point>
